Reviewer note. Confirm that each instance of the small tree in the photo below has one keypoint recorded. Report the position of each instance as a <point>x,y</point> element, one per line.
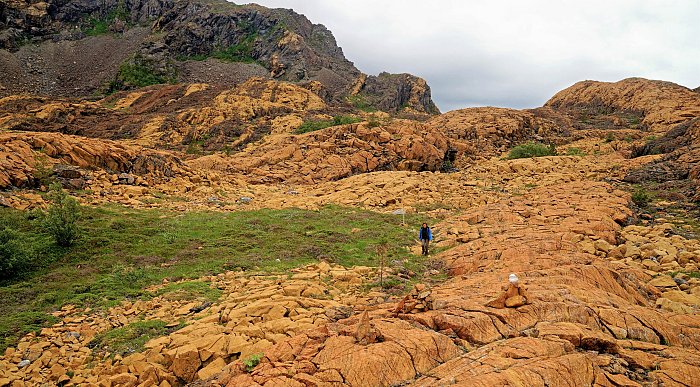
<point>62,216</point>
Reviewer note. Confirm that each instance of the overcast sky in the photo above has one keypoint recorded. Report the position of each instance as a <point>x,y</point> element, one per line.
<point>513,53</point>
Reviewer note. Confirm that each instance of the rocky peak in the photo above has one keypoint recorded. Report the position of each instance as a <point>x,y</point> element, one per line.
<point>394,92</point>
<point>187,41</point>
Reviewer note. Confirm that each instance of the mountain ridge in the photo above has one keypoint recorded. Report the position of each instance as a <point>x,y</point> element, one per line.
<point>47,49</point>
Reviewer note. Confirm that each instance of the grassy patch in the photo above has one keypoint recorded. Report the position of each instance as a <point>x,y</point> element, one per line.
<point>240,52</point>
<point>140,72</point>
<point>252,361</point>
<point>130,338</point>
<point>15,325</point>
<point>691,274</point>
<point>361,103</point>
<point>531,149</point>
<point>189,290</point>
<point>124,250</point>
<point>99,25</point>
<point>314,125</point>
<point>575,152</point>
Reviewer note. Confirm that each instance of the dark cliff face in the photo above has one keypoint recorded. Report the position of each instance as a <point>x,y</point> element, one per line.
<point>391,92</point>
<point>209,41</point>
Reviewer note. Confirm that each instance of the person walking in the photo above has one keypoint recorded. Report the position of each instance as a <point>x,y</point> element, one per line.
<point>425,236</point>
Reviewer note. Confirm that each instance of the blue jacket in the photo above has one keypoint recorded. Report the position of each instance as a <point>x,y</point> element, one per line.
<point>430,234</point>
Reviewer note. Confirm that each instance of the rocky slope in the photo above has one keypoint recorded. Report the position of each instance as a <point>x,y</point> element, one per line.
<point>78,48</point>
<point>247,134</point>
<point>608,296</point>
<point>596,313</point>
<point>173,116</point>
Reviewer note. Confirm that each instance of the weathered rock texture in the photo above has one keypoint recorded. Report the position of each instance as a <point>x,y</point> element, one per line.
<point>651,105</point>
<point>679,168</point>
<point>489,131</point>
<point>335,153</point>
<point>23,155</point>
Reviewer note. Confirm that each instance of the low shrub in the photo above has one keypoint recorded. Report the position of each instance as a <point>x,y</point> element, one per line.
<point>641,197</point>
<point>531,149</point>
<point>252,361</point>
<point>16,255</point>
<point>361,103</point>
<point>141,72</point>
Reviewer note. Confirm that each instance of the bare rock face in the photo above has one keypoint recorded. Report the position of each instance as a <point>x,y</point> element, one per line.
<point>335,153</point>
<point>654,105</point>
<point>679,168</point>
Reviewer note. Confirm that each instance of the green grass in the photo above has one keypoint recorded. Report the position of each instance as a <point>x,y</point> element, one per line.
<point>691,274</point>
<point>575,152</point>
<point>122,251</point>
<point>531,149</point>
<point>252,361</point>
<point>140,72</point>
<point>361,103</point>
<point>99,25</point>
<point>240,52</point>
<point>189,290</point>
<point>314,125</point>
<point>130,338</point>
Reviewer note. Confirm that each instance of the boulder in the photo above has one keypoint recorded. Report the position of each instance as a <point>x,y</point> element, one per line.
<point>186,362</point>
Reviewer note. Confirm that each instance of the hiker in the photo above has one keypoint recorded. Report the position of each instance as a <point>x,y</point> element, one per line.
<point>425,236</point>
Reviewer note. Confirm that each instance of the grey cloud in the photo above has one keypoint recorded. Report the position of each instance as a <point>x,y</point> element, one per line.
<point>513,53</point>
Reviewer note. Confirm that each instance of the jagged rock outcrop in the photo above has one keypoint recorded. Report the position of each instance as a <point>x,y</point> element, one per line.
<point>679,168</point>
<point>23,155</point>
<point>172,40</point>
<point>393,92</point>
